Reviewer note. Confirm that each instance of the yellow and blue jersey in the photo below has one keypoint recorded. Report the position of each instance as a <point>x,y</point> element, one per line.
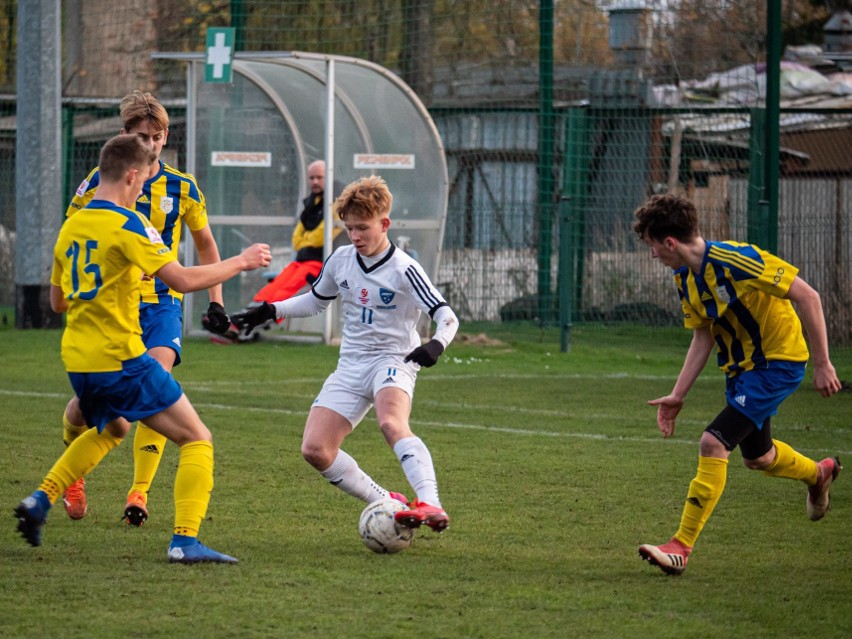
<point>98,261</point>
<point>167,199</point>
<point>739,293</point>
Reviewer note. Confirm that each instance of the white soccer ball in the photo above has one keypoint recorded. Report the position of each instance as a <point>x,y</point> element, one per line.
<point>379,531</point>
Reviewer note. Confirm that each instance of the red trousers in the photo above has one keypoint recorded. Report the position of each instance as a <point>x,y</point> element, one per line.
<point>288,282</point>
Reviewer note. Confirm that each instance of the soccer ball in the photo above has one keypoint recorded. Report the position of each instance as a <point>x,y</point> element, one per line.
<point>379,532</point>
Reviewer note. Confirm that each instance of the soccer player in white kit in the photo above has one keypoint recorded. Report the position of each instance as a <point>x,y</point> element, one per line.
<point>383,291</point>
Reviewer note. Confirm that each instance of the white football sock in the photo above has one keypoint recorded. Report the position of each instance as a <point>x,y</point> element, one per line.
<point>418,468</point>
<point>345,474</point>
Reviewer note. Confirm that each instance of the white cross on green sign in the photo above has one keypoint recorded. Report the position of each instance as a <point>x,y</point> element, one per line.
<point>220,54</point>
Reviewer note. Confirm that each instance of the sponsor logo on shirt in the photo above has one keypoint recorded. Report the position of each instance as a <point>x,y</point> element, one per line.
<point>364,297</point>
<point>143,199</point>
<point>741,400</point>
<point>344,285</point>
<point>82,188</point>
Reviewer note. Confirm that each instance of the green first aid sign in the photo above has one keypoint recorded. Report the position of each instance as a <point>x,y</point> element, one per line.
<point>220,54</point>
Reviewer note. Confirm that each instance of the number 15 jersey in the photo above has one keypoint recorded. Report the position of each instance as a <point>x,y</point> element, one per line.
<point>98,260</point>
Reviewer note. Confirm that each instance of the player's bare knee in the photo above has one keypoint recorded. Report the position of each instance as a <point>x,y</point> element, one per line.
<point>761,463</point>
<point>316,456</point>
<point>393,431</point>
<point>73,412</point>
<point>710,446</point>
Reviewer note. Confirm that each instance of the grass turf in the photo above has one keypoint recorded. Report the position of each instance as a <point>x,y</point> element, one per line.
<point>549,464</point>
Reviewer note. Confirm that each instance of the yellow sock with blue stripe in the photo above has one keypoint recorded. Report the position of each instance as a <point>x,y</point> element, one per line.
<point>704,492</point>
<point>70,431</point>
<point>193,484</point>
<point>84,453</point>
<point>792,465</point>
<point>148,447</point>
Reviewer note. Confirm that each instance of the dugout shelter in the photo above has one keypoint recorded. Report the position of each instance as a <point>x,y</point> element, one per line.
<point>250,140</point>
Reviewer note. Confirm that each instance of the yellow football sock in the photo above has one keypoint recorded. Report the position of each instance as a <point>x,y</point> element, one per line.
<point>193,484</point>
<point>704,491</point>
<point>148,447</point>
<point>79,458</point>
<point>70,431</point>
<point>792,465</point>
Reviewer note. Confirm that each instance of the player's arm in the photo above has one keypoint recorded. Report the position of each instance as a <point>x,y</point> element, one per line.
<point>58,303</point>
<point>215,320</point>
<point>304,305</point>
<point>208,253</point>
<point>447,324</point>
<point>187,279</point>
<point>669,406</point>
<point>809,307</point>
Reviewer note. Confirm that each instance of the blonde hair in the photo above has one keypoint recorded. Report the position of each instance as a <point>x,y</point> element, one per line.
<point>137,107</point>
<point>365,198</point>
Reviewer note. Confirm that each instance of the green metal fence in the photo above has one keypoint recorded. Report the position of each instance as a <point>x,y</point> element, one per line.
<point>557,120</point>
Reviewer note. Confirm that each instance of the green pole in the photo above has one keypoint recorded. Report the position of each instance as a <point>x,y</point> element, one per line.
<point>757,203</point>
<point>773,112</point>
<point>571,206</point>
<point>238,21</point>
<point>545,162</point>
<point>67,156</point>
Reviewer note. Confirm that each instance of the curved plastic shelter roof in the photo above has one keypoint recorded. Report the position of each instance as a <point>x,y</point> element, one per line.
<point>250,142</point>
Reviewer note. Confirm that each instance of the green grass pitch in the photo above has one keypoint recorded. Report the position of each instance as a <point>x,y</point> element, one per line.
<point>549,463</point>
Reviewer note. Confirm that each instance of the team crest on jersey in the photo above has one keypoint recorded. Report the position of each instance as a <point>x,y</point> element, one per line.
<point>167,204</point>
<point>81,190</point>
<point>386,296</point>
<point>153,235</point>
<point>722,294</point>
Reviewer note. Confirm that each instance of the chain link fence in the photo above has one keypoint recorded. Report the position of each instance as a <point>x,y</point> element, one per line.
<point>557,120</point>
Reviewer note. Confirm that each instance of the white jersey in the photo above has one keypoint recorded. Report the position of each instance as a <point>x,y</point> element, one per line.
<point>381,303</point>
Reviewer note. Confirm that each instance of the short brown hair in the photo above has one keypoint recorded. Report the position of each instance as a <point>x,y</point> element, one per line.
<point>137,107</point>
<point>365,198</point>
<point>122,153</point>
<point>665,216</point>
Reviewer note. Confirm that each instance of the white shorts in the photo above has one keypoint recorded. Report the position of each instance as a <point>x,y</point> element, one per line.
<point>351,389</point>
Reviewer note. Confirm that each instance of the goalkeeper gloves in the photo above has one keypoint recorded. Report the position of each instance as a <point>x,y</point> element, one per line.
<point>250,319</point>
<point>426,355</point>
<point>216,320</point>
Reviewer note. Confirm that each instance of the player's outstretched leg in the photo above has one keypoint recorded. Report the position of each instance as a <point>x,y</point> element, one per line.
<point>148,446</point>
<point>670,558</point>
<point>188,550</point>
<point>31,514</point>
<point>818,501</point>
